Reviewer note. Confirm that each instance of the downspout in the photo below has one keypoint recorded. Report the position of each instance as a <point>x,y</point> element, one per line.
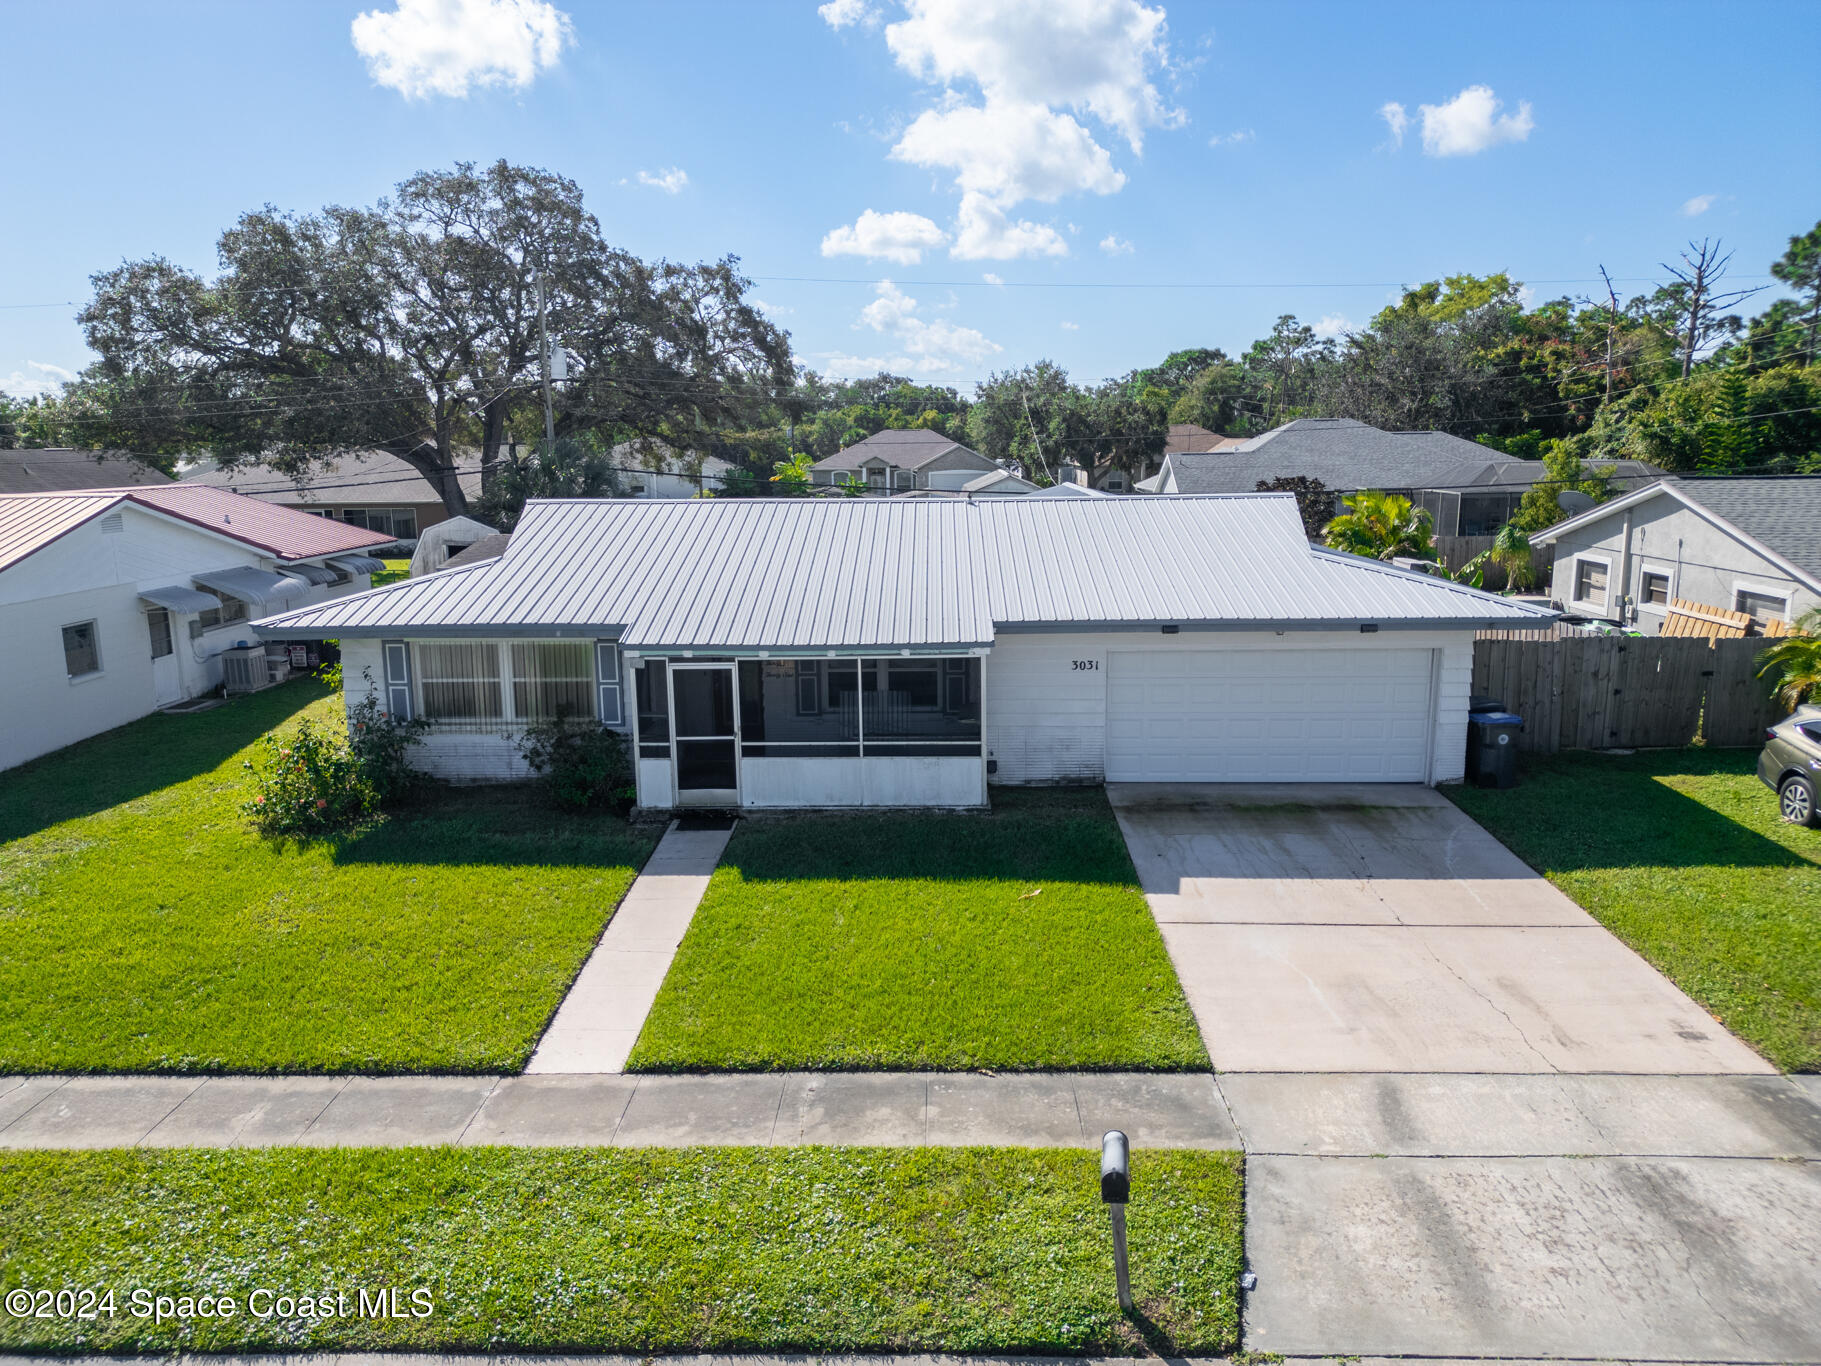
<point>1627,605</point>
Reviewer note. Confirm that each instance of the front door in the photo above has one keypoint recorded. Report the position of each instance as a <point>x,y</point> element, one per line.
<point>705,744</point>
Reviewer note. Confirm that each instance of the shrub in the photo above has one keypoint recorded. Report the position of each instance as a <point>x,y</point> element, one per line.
<point>581,764</point>
<point>316,783</point>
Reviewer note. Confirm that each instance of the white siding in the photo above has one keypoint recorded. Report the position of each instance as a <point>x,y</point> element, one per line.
<point>1046,717</point>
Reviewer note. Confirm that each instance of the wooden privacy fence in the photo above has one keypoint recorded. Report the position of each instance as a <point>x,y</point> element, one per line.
<point>1455,551</point>
<point>1627,692</point>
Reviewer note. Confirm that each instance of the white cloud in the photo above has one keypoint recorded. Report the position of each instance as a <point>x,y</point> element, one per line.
<point>1395,119</point>
<point>1017,80</point>
<point>1071,327</point>
<point>1113,245</point>
<point>770,310</point>
<point>1700,204</point>
<point>841,13</point>
<point>1470,123</point>
<point>449,47</point>
<point>38,377</point>
<point>1333,325</point>
<point>915,345</point>
<point>673,181</point>
<point>984,232</point>
<point>899,237</point>
<point>992,279</point>
<point>1228,139</point>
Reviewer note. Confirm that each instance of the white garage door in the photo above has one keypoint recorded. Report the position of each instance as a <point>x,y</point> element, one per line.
<point>1267,716</point>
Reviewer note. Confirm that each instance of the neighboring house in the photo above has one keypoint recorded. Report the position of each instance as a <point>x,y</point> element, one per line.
<point>447,539</point>
<point>1750,545</point>
<point>1106,479</point>
<point>828,652</point>
<point>372,489</point>
<point>52,469</point>
<point>114,602</point>
<point>903,460</point>
<point>652,469</point>
<point>1467,489</point>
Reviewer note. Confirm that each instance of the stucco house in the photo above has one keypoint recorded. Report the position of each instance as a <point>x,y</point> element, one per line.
<point>903,460</point>
<point>1746,544</point>
<point>115,602</point>
<point>909,652</point>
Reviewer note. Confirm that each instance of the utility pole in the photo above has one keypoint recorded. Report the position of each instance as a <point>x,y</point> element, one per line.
<point>1612,321</point>
<point>1035,439</point>
<point>543,357</point>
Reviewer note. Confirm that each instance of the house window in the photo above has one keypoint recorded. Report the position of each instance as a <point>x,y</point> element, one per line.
<point>653,688</point>
<point>1761,604</point>
<point>875,478</point>
<point>552,680</point>
<point>231,610</point>
<point>459,681</point>
<point>399,522</point>
<point>158,621</point>
<point>81,650</point>
<point>1590,581</point>
<point>1653,589</point>
<point>1116,482</point>
<point>904,479</point>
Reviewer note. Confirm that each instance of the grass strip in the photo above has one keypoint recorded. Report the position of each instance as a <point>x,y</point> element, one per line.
<point>1681,854</point>
<point>1016,940</point>
<point>733,1249</point>
<point>144,927</point>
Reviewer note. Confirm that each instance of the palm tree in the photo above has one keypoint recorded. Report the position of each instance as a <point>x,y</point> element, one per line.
<point>1381,526</point>
<point>792,475</point>
<point>1510,550</point>
<point>1796,661</point>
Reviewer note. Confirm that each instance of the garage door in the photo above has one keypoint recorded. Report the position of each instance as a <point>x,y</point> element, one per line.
<point>1250,716</point>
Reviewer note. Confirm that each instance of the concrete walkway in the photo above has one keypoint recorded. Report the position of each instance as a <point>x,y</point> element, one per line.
<point>599,1020</point>
<point>900,1109</point>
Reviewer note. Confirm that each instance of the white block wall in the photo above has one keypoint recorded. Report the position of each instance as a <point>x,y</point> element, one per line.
<point>1046,719</point>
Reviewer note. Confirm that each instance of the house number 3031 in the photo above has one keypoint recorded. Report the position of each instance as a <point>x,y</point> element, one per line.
<point>1087,663</point>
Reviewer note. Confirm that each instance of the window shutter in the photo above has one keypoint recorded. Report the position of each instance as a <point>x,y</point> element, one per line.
<point>607,683</point>
<point>398,678</point>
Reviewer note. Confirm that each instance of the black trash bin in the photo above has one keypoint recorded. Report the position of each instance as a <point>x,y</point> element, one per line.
<point>1492,748</point>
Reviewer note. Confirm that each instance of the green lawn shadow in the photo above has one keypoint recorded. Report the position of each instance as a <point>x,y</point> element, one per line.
<point>140,758</point>
<point>496,825</point>
<point>1579,812</point>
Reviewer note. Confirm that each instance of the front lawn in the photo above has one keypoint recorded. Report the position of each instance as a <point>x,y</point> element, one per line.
<point>733,1249</point>
<point>143,926</point>
<point>394,571</point>
<point>1015,940</point>
<point>1680,853</point>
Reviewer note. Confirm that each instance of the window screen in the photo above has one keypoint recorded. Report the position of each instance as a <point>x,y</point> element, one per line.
<point>1760,606</point>
<point>653,688</point>
<point>1589,580</point>
<point>781,716</point>
<point>81,650</point>
<point>1654,589</point>
<point>552,680</point>
<point>459,681</point>
<point>158,622</point>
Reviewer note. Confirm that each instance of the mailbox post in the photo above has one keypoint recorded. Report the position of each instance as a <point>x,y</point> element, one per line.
<point>1115,1189</point>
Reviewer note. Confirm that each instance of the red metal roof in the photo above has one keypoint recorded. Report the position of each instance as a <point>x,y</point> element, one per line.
<point>30,521</point>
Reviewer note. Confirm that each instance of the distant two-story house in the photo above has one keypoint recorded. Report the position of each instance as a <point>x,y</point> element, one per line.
<point>904,460</point>
<point>1749,545</point>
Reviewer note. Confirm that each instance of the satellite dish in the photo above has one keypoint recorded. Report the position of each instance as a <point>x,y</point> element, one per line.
<point>1574,502</point>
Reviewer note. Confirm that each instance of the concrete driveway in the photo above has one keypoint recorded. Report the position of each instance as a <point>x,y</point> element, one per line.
<point>1375,928</point>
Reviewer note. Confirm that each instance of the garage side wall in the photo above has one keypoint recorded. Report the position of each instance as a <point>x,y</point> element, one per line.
<point>1046,694</point>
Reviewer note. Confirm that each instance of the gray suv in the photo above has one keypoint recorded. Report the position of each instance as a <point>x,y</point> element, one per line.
<point>1791,765</point>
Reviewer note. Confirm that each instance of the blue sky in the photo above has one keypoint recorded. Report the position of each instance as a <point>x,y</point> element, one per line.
<point>1107,160</point>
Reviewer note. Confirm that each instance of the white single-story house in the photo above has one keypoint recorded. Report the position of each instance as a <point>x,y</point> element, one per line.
<point>115,602</point>
<point>1748,544</point>
<point>908,652</point>
<point>902,460</point>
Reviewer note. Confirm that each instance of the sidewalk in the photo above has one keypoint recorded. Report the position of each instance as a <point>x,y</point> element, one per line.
<point>599,1020</point>
<point>899,1109</point>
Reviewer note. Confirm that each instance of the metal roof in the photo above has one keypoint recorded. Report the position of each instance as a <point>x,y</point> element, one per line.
<point>780,573</point>
<point>30,521</point>
<point>177,598</point>
<point>256,586</point>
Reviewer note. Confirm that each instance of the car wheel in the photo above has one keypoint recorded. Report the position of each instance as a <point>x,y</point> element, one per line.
<point>1796,800</point>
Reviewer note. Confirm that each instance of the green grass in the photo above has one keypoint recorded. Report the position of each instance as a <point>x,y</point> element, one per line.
<point>730,1249</point>
<point>1680,853</point>
<point>1015,940</point>
<point>143,926</point>
<point>392,573</point>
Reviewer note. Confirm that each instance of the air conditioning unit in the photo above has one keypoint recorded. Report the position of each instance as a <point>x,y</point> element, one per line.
<point>243,669</point>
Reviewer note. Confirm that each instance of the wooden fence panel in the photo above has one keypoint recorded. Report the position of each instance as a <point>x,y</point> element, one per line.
<point>1739,704</point>
<point>1626,692</point>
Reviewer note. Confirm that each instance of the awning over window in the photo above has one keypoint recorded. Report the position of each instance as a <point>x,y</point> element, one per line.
<point>359,564</point>
<point>261,589</point>
<point>309,573</point>
<point>177,598</point>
